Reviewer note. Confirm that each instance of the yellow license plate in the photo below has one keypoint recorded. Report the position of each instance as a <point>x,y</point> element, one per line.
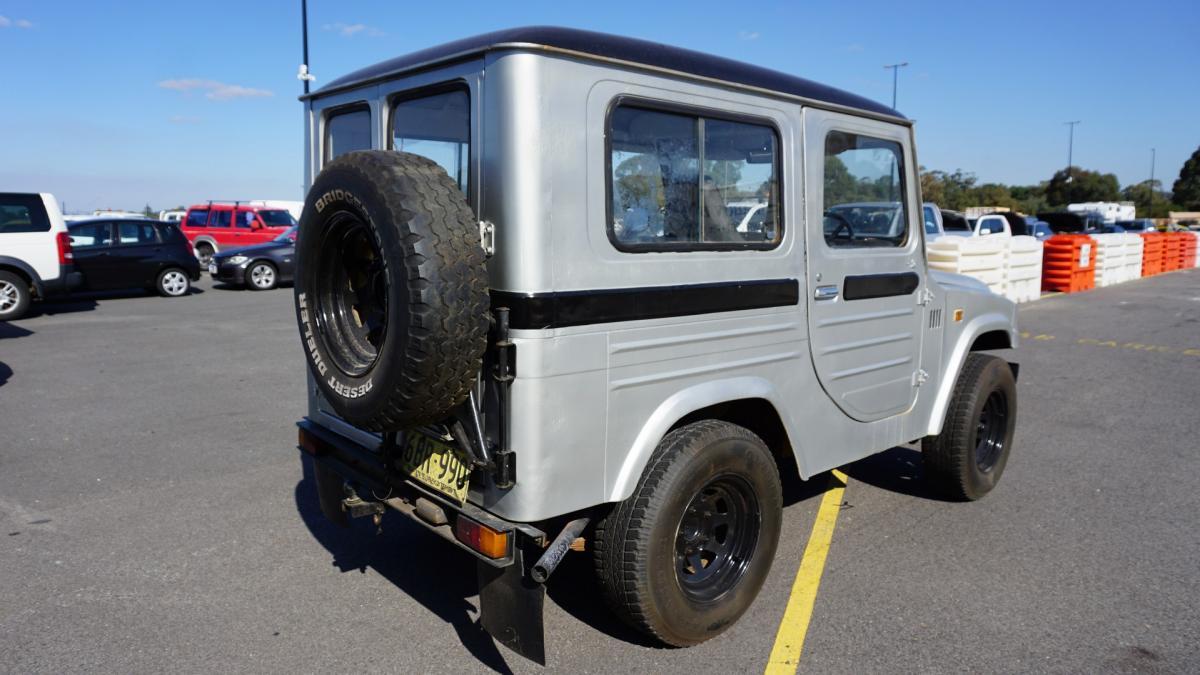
<point>437,465</point>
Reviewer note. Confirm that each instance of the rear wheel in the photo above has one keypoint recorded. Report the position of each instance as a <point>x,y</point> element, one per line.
<point>173,282</point>
<point>684,556</point>
<point>14,296</point>
<point>204,253</point>
<point>966,460</point>
<point>261,276</point>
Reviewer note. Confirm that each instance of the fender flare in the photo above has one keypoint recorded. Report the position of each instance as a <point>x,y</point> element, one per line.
<point>207,240</point>
<point>984,323</point>
<point>684,402</point>
<point>24,268</point>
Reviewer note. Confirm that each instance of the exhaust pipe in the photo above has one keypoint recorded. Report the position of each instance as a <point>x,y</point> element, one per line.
<point>557,550</point>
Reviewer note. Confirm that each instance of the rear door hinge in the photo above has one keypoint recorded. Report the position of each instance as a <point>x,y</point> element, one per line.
<point>920,377</point>
<point>487,237</point>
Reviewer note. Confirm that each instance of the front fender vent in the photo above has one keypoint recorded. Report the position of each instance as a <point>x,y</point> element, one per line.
<point>935,319</point>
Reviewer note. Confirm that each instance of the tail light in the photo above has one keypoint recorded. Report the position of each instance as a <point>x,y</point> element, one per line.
<point>480,537</point>
<point>65,255</point>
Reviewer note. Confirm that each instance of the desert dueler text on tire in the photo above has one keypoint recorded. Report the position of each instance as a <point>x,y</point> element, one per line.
<point>391,289</point>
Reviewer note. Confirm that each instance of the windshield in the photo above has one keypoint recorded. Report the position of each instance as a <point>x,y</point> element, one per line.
<point>276,218</point>
<point>289,235</point>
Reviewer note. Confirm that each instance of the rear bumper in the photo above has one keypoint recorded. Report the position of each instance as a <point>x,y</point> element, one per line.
<point>341,462</point>
<point>68,280</point>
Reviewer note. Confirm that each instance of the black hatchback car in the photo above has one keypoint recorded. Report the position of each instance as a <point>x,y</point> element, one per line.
<point>260,267</point>
<point>131,253</point>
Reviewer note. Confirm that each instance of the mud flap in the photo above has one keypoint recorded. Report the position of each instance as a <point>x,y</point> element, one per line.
<point>510,608</point>
<point>330,493</point>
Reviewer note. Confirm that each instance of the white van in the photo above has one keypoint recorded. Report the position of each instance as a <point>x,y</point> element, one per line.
<point>35,252</point>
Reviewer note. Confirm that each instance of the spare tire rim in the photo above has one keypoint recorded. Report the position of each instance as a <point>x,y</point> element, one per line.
<point>351,294</point>
<point>716,538</point>
<point>8,297</point>
<point>991,431</point>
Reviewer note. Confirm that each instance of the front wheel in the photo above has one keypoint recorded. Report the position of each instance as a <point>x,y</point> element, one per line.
<point>965,461</point>
<point>685,555</point>
<point>261,276</point>
<point>173,282</point>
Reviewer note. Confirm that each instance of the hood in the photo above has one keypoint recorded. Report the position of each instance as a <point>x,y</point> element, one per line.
<point>959,282</point>
<point>257,248</point>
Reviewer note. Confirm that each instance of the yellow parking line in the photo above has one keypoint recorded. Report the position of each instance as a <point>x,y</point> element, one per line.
<point>789,641</point>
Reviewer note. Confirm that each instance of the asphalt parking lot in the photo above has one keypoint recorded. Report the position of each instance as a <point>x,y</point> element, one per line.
<point>155,516</point>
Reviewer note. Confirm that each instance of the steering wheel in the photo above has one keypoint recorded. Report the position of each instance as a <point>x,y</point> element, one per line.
<point>843,224</point>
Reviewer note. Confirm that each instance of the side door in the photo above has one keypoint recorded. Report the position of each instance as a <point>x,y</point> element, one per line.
<point>247,228</point>
<point>137,254</point>
<point>865,263</point>
<point>220,227</point>
<point>91,243</point>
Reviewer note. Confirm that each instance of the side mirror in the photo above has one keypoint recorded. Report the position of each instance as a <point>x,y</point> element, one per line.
<point>985,231</point>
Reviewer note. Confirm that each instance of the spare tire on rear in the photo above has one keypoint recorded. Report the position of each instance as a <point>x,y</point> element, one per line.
<point>391,290</point>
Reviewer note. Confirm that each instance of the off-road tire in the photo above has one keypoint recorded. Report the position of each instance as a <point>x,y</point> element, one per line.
<point>635,544</point>
<point>161,283</point>
<point>250,274</point>
<point>430,290</point>
<point>16,286</point>
<point>950,459</point>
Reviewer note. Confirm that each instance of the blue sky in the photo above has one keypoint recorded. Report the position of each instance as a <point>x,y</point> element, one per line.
<point>115,104</point>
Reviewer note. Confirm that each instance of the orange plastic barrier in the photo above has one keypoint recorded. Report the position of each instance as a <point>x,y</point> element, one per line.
<point>1069,263</point>
<point>1171,251</point>
<point>1152,253</point>
<point>1187,250</point>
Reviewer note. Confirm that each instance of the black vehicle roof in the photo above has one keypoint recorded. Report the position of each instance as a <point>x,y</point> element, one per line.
<point>652,54</point>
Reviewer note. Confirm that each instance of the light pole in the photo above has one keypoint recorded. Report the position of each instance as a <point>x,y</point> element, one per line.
<point>304,75</point>
<point>1070,147</point>
<point>1152,153</point>
<point>895,70</point>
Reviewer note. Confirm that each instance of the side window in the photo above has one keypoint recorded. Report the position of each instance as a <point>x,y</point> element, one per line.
<point>244,219</point>
<point>347,131</point>
<point>688,182</point>
<point>22,213</point>
<point>437,126</point>
<point>91,235</point>
<point>197,218</point>
<point>220,218</point>
<point>865,204</point>
<point>136,233</point>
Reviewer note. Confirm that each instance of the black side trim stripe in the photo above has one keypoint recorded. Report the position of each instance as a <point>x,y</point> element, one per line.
<point>867,286</point>
<point>534,311</point>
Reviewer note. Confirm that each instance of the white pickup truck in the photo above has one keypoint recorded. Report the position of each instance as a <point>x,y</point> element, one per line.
<point>35,252</point>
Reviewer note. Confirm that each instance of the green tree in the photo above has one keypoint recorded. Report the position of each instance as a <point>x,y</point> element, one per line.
<point>995,194</point>
<point>1186,190</point>
<point>1030,198</point>
<point>1143,194</point>
<point>1073,185</point>
<point>955,191</point>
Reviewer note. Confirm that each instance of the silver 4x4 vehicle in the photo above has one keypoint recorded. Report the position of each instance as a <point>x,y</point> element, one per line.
<point>533,323</point>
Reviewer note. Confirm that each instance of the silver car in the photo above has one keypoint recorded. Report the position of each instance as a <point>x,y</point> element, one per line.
<point>534,321</point>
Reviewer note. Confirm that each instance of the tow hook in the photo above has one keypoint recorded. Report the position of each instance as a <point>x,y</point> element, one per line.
<point>557,550</point>
<point>356,507</point>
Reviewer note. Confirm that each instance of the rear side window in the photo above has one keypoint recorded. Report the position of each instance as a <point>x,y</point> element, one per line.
<point>197,218</point>
<point>90,235</point>
<point>22,213</point>
<point>865,205</point>
<point>220,218</point>
<point>136,233</point>
<point>682,182</point>
<point>437,126</point>
<point>170,234</point>
<point>347,131</point>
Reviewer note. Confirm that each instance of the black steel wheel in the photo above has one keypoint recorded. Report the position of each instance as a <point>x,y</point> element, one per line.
<point>685,555</point>
<point>966,460</point>
<point>716,537</point>
<point>351,303</point>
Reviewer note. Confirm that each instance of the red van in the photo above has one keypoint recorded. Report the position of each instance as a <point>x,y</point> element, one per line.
<point>216,226</point>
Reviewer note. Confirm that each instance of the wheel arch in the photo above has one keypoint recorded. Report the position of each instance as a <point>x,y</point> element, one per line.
<point>22,269</point>
<point>750,402</point>
<point>992,330</point>
<point>206,239</point>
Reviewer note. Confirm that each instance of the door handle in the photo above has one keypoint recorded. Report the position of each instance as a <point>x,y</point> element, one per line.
<point>826,292</point>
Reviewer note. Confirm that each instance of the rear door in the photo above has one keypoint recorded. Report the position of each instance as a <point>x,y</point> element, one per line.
<point>137,252</point>
<point>92,244</point>
<point>865,265</point>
